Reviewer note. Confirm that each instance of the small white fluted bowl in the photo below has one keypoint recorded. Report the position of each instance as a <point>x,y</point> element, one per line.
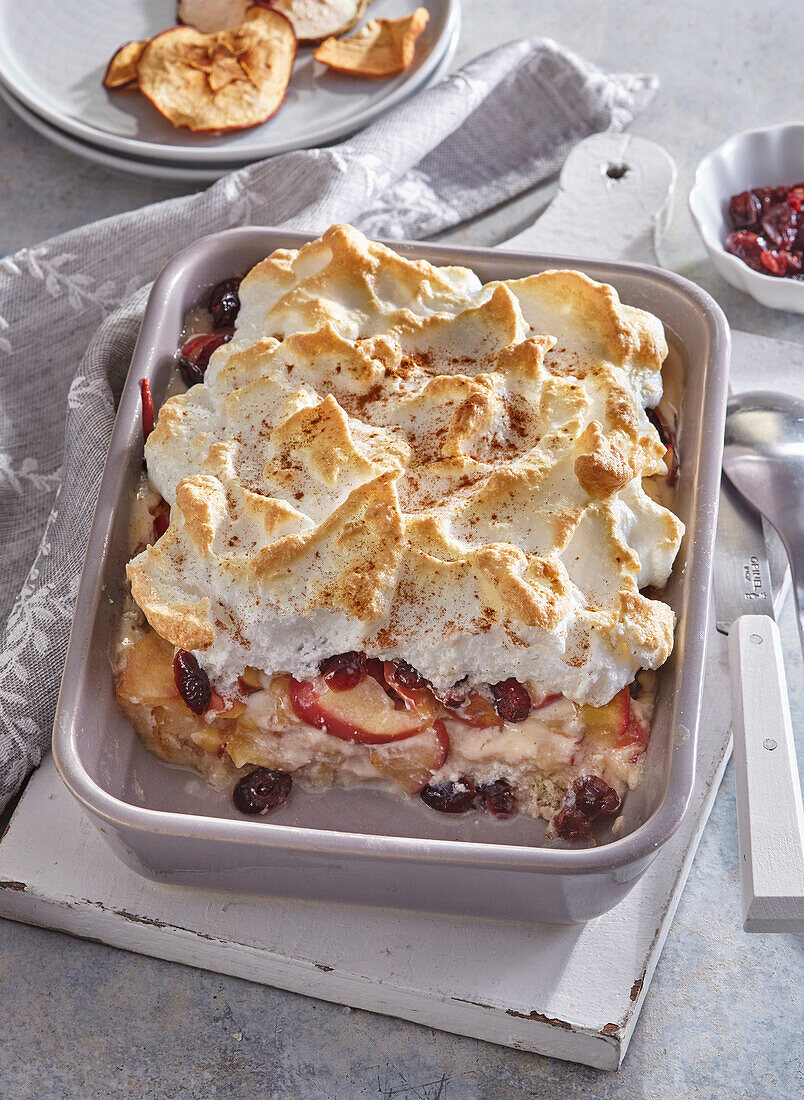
<point>771,157</point>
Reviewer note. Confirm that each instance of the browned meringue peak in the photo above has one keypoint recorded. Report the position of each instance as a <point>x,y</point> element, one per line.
<point>391,457</point>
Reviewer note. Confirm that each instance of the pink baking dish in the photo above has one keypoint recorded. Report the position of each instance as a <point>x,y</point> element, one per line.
<point>364,846</point>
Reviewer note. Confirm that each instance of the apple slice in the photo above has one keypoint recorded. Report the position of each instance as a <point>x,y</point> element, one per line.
<point>315,20</point>
<point>477,711</point>
<point>148,675</point>
<point>609,723</point>
<point>363,714</point>
<point>122,69</point>
<point>220,82</point>
<point>406,681</point>
<point>195,355</point>
<point>544,701</point>
<point>384,47</point>
<point>413,762</point>
<point>210,16</point>
<point>221,707</point>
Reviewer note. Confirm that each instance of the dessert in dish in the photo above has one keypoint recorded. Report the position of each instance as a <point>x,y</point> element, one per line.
<point>769,230</point>
<point>408,530</point>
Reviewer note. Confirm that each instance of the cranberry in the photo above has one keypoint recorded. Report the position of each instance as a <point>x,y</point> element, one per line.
<point>781,263</point>
<point>195,355</point>
<point>769,223</point>
<point>497,798</point>
<point>161,524</point>
<point>747,247</point>
<point>192,682</point>
<point>453,699</point>
<point>769,196</point>
<point>408,677</point>
<point>744,209</point>
<point>261,790</point>
<point>511,700</point>
<point>586,799</point>
<point>781,224</point>
<point>344,671</point>
<point>224,303</point>
<point>147,407</point>
<point>450,798</point>
<point>667,434</point>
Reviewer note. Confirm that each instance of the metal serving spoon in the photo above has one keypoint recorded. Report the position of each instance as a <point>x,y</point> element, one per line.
<point>764,459</point>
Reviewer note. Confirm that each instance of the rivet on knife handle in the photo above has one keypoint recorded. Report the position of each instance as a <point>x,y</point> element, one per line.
<point>770,816</point>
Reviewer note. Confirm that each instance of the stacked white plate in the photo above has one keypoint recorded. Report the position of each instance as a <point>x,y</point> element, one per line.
<point>53,56</point>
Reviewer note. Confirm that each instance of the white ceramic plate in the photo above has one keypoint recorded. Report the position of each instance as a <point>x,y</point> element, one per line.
<point>142,166</point>
<point>53,56</point>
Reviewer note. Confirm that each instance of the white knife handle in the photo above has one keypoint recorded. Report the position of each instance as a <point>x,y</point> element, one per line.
<point>770,817</point>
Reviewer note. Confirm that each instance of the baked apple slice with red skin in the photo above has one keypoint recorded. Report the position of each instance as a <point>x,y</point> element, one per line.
<point>612,718</point>
<point>414,761</point>
<point>363,714</point>
<point>195,355</point>
<point>476,711</point>
<point>404,680</point>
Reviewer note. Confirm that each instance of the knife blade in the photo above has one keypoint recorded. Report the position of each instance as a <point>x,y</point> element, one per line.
<point>742,577</point>
<point>770,815</point>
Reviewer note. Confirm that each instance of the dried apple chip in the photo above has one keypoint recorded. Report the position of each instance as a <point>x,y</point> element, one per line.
<point>384,47</point>
<point>122,69</point>
<point>209,16</point>
<point>315,20</point>
<point>218,82</point>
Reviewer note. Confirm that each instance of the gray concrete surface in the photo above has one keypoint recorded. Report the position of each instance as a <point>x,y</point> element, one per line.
<point>723,1018</point>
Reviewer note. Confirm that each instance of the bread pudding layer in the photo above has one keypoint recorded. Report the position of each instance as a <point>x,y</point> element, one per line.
<point>534,761</point>
<point>391,458</point>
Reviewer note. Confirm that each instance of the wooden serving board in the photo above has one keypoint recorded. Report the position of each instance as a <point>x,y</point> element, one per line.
<point>572,992</point>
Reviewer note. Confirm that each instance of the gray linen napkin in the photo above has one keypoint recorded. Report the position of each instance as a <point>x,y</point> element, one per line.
<point>498,126</point>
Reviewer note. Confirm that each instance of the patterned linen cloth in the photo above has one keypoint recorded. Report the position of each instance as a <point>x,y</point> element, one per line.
<point>498,126</point>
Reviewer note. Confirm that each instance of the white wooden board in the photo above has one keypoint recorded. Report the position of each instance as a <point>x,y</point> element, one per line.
<point>570,992</point>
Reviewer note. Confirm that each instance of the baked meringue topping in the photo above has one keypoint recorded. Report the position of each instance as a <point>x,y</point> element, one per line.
<point>392,458</point>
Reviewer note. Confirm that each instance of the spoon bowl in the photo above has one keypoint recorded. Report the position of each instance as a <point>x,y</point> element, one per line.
<point>764,458</point>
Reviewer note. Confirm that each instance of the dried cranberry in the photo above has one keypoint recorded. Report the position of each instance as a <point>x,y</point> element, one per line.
<point>344,671</point>
<point>498,798</point>
<point>511,700</point>
<point>195,355</point>
<point>744,209</point>
<point>780,263</point>
<point>795,197</point>
<point>781,224</point>
<point>407,676</point>
<point>747,247</point>
<point>147,407</point>
<point>261,790</point>
<point>224,303</point>
<point>161,524</point>
<point>454,699</point>
<point>769,196</point>
<point>667,434</point>
<point>192,683</point>
<point>586,799</point>
<point>450,798</point>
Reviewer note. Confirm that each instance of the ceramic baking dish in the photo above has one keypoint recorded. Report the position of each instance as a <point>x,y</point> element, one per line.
<point>365,846</point>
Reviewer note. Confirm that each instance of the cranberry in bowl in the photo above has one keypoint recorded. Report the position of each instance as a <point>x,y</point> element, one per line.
<point>740,205</point>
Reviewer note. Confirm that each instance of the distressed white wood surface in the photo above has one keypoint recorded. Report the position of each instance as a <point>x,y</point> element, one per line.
<point>770,817</point>
<point>570,992</point>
